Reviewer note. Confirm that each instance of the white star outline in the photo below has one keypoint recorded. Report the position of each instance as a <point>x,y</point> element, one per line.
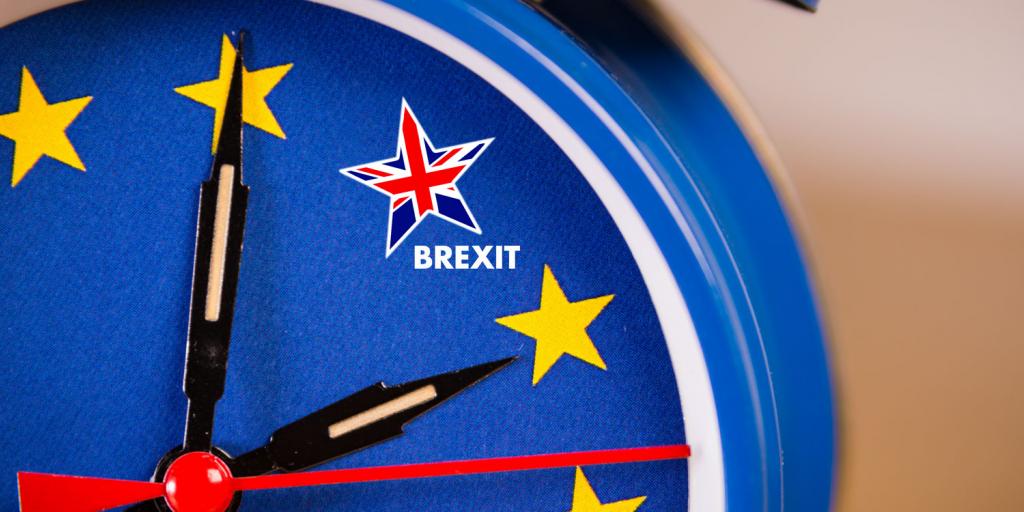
<point>451,190</point>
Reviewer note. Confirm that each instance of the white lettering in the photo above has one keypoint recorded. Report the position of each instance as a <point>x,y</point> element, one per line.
<point>444,257</point>
<point>422,257</point>
<point>481,257</point>
<point>442,253</point>
<point>462,257</point>
<point>511,250</point>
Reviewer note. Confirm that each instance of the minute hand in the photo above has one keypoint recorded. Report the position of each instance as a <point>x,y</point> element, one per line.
<point>370,416</point>
<point>221,226</point>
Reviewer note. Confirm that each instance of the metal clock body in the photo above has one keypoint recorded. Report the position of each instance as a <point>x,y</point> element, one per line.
<point>431,186</point>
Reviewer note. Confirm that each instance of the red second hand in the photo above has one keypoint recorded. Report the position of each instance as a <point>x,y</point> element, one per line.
<point>462,467</point>
<point>41,492</point>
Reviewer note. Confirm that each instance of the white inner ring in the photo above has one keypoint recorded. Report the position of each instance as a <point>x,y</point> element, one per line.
<point>706,468</point>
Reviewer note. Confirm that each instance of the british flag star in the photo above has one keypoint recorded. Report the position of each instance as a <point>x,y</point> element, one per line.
<point>420,180</point>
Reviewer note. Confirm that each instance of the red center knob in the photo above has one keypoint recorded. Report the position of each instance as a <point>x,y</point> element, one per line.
<point>198,482</point>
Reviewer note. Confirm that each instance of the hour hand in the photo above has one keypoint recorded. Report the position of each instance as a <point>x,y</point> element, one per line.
<point>370,416</point>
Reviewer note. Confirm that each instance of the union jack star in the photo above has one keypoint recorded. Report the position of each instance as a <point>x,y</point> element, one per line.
<point>420,180</point>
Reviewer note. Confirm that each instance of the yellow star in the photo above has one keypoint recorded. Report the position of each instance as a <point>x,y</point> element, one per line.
<point>559,327</point>
<point>585,500</point>
<point>37,128</point>
<point>256,85</point>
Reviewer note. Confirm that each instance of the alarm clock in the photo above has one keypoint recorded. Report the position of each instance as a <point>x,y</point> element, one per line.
<point>394,255</point>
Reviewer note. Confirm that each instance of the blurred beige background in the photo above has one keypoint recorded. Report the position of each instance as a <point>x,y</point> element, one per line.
<point>901,126</point>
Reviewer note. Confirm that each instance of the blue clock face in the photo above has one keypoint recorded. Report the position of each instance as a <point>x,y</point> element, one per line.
<point>408,214</point>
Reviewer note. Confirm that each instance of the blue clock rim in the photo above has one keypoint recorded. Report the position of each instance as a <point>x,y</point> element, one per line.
<point>788,403</point>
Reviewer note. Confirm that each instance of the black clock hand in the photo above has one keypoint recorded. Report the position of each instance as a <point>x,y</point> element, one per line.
<point>221,226</point>
<point>368,417</point>
<point>222,205</point>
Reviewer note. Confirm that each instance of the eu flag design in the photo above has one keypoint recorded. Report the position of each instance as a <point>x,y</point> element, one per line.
<point>97,268</point>
<point>420,180</point>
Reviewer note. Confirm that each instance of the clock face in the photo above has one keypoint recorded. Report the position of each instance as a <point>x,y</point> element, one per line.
<point>412,210</point>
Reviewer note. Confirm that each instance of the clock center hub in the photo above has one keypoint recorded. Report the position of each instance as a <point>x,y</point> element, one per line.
<point>198,482</point>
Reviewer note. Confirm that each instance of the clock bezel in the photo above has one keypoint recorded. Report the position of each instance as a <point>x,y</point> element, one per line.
<point>740,337</point>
